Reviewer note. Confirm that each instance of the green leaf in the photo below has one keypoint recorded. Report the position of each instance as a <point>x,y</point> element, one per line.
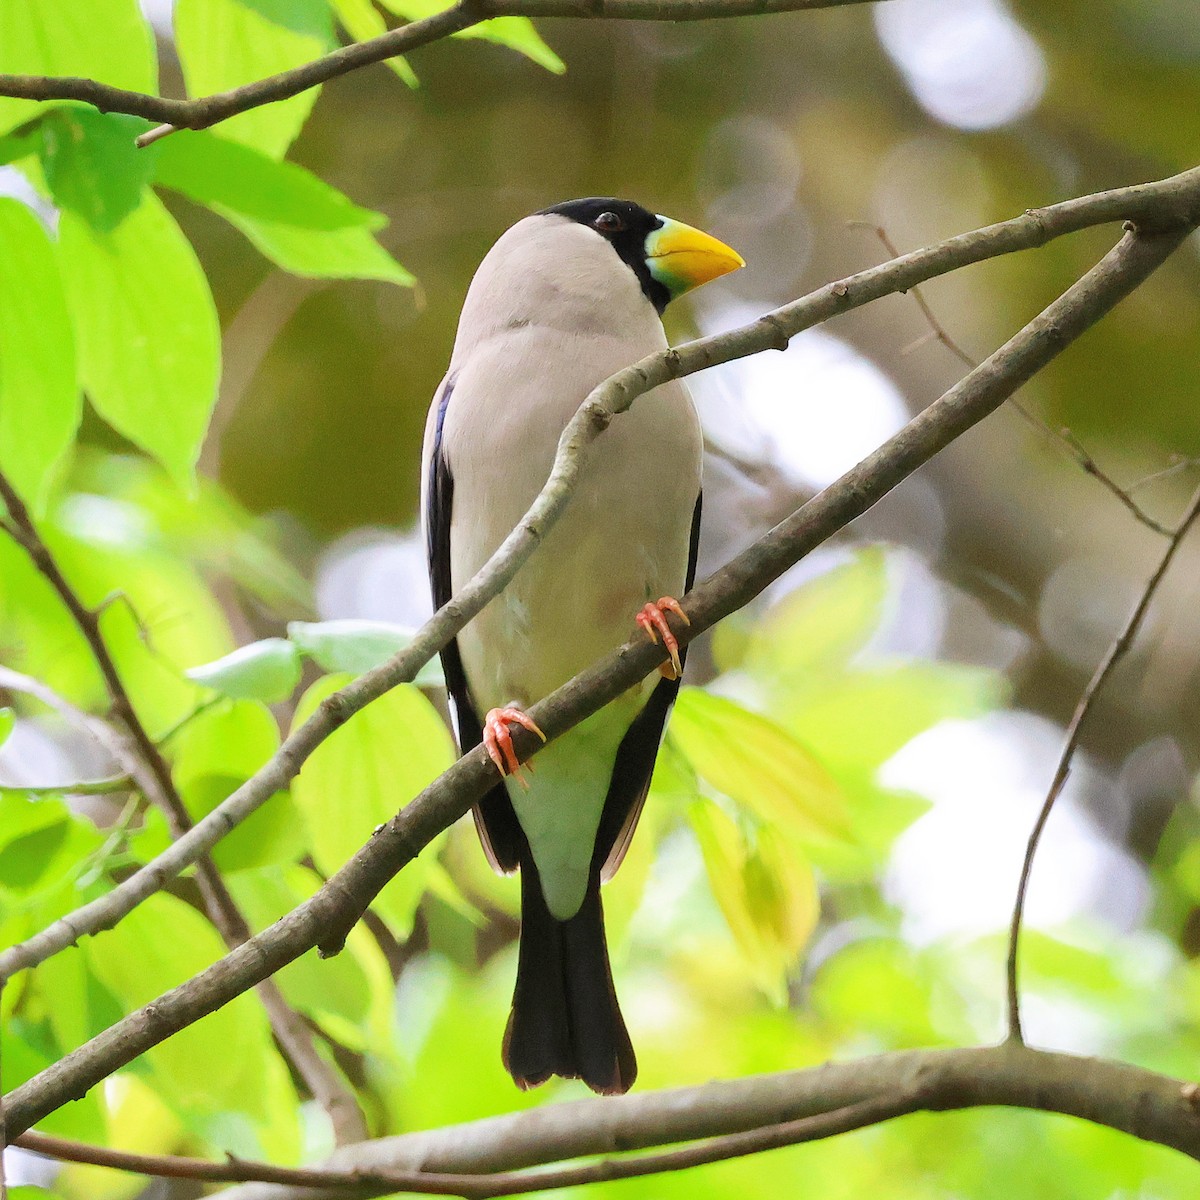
<point>21,143</point>
<point>7,721</point>
<point>42,844</point>
<point>356,646</point>
<point>159,945</point>
<point>290,215</point>
<point>351,253</point>
<point>758,765</point>
<point>822,624</point>
<point>320,987</point>
<point>363,21</point>
<point>517,33</point>
<point>226,43</point>
<point>213,755</point>
<point>92,166</point>
<point>107,40</point>
<point>149,343</point>
<point>40,404</point>
<point>863,718</point>
<point>215,171</point>
<point>268,671</point>
<point>764,887</point>
<point>229,739</point>
<point>363,774</point>
<point>25,858</point>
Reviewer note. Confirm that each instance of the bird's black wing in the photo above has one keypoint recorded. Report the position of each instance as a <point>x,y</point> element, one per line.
<point>495,820</point>
<point>639,748</point>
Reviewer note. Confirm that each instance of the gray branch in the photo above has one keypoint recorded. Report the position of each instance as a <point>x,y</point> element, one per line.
<point>325,919</point>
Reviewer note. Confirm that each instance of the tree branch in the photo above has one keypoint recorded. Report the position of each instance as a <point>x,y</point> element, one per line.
<point>326,918</point>
<point>205,111</point>
<point>141,758</point>
<point>1116,651</point>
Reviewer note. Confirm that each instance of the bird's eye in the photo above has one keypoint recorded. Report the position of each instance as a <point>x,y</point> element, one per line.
<point>609,222</point>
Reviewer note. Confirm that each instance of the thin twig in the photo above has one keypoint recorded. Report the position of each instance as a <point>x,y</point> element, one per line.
<point>1183,464</point>
<point>1064,438</point>
<point>1116,652</point>
<point>1160,204</point>
<point>935,326</point>
<point>325,919</point>
<point>113,785</point>
<point>1073,446</point>
<point>145,763</point>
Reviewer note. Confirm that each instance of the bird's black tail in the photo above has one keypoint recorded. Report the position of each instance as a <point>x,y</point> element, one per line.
<point>565,1018</point>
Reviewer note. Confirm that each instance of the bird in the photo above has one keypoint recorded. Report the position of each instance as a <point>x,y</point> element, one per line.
<point>563,300</point>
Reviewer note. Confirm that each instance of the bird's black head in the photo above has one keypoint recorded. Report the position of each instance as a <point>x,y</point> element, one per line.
<point>625,226</point>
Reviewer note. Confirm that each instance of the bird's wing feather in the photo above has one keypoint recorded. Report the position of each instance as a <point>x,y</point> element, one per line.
<point>495,820</point>
<point>634,764</point>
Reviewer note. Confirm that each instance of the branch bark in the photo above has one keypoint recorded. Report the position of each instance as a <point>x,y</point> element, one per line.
<point>325,919</point>
<point>1168,203</point>
<point>202,112</point>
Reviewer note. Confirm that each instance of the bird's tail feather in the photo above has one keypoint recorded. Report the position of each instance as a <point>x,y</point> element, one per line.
<point>565,1018</point>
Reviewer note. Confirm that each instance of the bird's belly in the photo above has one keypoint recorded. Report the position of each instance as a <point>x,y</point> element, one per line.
<point>623,540</point>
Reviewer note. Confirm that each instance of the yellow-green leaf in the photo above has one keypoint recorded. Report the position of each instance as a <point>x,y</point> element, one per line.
<point>225,43</point>
<point>149,343</point>
<point>363,774</point>
<point>758,765</point>
<point>40,404</point>
<point>107,40</point>
<point>821,625</point>
<point>363,21</point>
<point>517,33</point>
<point>765,888</point>
<point>163,943</point>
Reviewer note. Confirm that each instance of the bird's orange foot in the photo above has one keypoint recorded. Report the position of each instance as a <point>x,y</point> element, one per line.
<point>497,740</point>
<point>653,619</point>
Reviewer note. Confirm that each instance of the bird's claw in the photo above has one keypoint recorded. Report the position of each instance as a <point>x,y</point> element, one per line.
<point>653,619</point>
<point>497,740</point>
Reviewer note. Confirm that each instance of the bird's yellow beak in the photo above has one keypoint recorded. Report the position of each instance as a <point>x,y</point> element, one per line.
<point>682,258</point>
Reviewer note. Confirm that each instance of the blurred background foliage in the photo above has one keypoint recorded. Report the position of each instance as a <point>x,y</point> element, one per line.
<point>827,860</point>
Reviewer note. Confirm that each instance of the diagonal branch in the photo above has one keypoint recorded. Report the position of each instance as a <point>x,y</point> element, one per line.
<point>1164,204</point>
<point>1117,651</point>
<point>144,763</point>
<point>205,111</point>
<point>327,917</point>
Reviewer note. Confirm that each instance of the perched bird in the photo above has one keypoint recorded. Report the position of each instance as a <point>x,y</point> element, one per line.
<point>566,298</point>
